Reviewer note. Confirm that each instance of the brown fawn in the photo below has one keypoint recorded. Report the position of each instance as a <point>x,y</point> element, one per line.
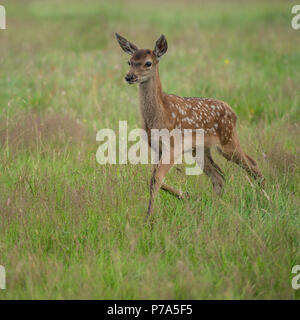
<point>160,110</point>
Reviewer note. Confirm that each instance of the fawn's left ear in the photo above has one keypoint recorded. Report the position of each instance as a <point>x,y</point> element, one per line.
<point>126,45</point>
<point>161,47</point>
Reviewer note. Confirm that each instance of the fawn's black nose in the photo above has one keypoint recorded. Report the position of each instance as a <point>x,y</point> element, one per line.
<point>129,77</point>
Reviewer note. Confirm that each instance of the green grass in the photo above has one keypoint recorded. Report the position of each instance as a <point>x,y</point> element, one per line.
<point>73,229</point>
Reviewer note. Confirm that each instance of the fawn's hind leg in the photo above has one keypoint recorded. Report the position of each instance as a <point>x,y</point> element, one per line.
<point>214,172</point>
<point>233,152</point>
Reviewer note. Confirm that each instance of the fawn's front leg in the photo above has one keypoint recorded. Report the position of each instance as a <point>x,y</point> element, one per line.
<point>159,172</point>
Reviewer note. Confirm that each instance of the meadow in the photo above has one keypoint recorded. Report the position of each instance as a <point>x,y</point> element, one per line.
<point>71,228</point>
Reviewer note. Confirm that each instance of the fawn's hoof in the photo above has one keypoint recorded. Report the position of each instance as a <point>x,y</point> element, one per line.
<point>218,188</point>
<point>184,196</point>
<point>187,196</point>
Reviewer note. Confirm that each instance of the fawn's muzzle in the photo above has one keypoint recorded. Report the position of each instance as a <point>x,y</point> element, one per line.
<point>130,78</point>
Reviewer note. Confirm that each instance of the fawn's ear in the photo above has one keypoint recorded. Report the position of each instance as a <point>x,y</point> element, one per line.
<point>127,46</point>
<point>161,46</point>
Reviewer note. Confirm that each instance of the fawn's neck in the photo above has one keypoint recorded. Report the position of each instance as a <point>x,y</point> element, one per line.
<point>151,101</point>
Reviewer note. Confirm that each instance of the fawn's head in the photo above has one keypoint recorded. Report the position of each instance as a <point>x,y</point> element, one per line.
<point>143,62</point>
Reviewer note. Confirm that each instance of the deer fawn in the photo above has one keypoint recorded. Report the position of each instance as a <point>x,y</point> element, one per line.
<point>167,111</point>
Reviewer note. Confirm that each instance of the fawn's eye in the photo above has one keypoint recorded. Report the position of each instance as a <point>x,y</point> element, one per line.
<point>128,63</point>
<point>148,64</point>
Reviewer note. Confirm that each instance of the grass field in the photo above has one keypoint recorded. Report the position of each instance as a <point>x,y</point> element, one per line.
<point>73,229</point>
